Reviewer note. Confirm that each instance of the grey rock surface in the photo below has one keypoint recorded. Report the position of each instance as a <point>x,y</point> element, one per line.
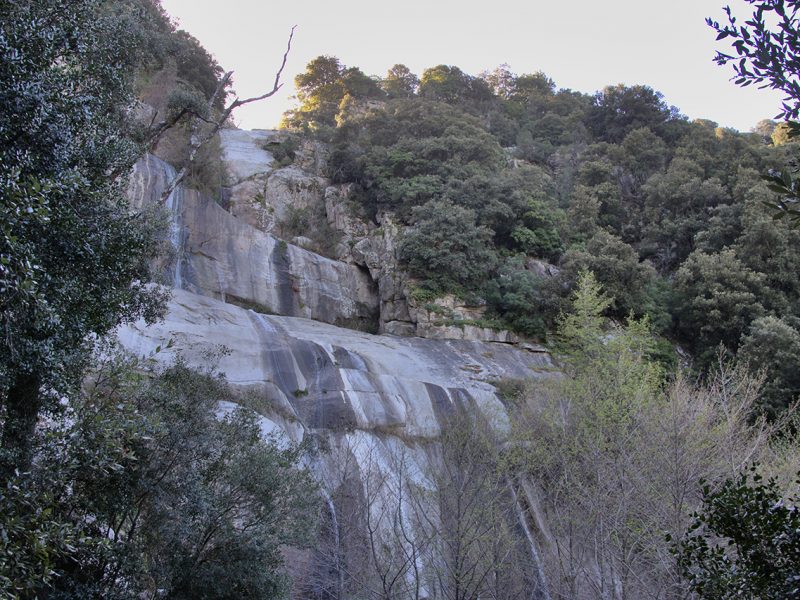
<point>322,377</point>
<point>362,400</point>
<point>368,403</point>
<point>247,165</point>
<point>223,257</point>
<point>296,203</point>
<point>243,153</point>
<point>283,198</point>
<point>292,190</point>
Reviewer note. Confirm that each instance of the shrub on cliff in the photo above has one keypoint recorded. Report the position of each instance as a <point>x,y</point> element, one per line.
<point>446,248</point>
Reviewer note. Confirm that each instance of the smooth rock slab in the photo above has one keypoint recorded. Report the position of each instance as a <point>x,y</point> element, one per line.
<point>243,153</point>
<point>322,377</point>
<point>224,257</point>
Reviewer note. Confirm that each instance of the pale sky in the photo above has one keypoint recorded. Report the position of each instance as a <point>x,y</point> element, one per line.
<point>582,45</point>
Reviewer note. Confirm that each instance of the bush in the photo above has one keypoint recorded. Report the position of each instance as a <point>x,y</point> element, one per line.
<point>515,295</point>
<point>744,543</point>
<point>144,485</point>
<point>718,298</point>
<point>283,152</point>
<point>617,267</point>
<point>446,249</point>
<point>773,345</point>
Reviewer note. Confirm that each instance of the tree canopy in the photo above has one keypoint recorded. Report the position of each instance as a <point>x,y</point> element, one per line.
<point>146,487</point>
<point>744,543</point>
<point>75,258</point>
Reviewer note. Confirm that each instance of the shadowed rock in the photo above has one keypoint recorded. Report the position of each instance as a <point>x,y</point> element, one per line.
<point>326,377</point>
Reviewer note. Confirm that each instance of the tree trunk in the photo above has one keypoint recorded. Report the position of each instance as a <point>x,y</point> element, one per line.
<point>22,412</point>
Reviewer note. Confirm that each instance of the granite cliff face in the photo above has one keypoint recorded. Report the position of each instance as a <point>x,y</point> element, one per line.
<point>362,400</point>
<point>296,203</point>
<point>222,256</point>
<point>319,377</point>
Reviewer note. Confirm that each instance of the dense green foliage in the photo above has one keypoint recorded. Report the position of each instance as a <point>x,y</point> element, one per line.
<point>419,158</point>
<point>492,175</point>
<point>744,543</point>
<point>121,486</point>
<point>325,85</point>
<point>75,258</point>
<point>772,345</point>
<point>140,487</point>
<point>447,246</point>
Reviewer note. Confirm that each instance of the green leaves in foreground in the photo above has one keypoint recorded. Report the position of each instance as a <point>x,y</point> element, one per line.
<point>784,183</point>
<point>744,543</point>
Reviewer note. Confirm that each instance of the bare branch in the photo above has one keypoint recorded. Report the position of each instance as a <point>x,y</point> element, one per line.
<point>277,85</point>
<point>200,141</point>
<point>223,83</point>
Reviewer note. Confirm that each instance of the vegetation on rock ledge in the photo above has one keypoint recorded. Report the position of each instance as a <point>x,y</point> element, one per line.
<point>492,175</point>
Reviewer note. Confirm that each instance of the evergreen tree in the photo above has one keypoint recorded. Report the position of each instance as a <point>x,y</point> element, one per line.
<point>744,543</point>
<point>75,259</point>
<point>771,348</point>
<point>400,82</point>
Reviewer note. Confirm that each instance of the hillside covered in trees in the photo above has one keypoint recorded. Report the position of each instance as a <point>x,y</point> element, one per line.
<point>196,402</point>
<point>493,174</point>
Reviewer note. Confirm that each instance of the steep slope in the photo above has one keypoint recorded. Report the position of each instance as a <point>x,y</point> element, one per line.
<point>317,376</point>
<point>224,257</point>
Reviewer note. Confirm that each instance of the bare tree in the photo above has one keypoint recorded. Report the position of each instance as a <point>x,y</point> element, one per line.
<point>204,129</point>
<point>375,549</point>
<point>466,508</point>
<point>395,543</point>
<point>432,519</point>
<point>614,474</point>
